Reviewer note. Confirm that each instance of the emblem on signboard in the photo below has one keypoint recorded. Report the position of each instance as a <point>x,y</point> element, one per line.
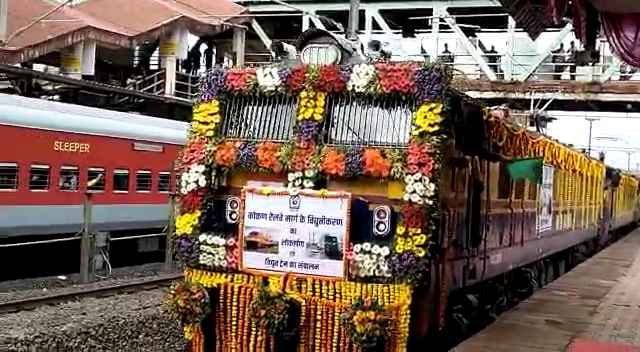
<point>294,202</point>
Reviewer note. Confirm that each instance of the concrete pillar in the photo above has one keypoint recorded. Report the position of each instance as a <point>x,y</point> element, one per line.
<point>435,28</point>
<point>71,61</point>
<point>169,46</point>
<point>89,60</point>
<point>511,49</point>
<point>239,34</point>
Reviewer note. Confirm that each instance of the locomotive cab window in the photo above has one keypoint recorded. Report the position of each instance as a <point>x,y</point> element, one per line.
<point>120,180</point>
<point>95,179</point>
<point>164,182</point>
<point>69,178</point>
<point>259,118</point>
<point>8,176</point>
<point>39,177</point>
<point>371,122</point>
<point>143,181</point>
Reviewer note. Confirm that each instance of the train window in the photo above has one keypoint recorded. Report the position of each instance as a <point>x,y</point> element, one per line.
<point>164,182</point>
<point>69,176</point>
<point>95,179</point>
<point>39,177</point>
<point>8,176</point>
<point>533,191</point>
<point>143,181</point>
<point>369,122</point>
<point>518,192</point>
<point>259,117</point>
<point>504,182</point>
<point>121,180</point>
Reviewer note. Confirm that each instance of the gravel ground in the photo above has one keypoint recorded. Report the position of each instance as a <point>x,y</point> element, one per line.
<point>133,322</point>
<point>26,288</point>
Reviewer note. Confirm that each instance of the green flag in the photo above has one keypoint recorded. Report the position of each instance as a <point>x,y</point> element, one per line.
<point>529,168</point>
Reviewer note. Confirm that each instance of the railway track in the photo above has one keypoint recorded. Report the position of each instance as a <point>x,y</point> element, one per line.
<point>130,286</point>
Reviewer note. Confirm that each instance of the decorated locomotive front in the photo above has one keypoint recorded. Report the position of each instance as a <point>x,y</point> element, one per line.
<point>307,199</point>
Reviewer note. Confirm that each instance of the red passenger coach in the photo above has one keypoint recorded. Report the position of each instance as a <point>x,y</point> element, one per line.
<point>51,154</point>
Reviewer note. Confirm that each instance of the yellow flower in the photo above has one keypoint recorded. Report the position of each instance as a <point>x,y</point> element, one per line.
<point>399,248</point>
<point>420,239</point>
<point>266,191</point>
<point>323,192</point>
<point>400,230</point>
<point>186,223</point>
<point>414,231</point>
<point>427,118</point>
<point>420,252</point>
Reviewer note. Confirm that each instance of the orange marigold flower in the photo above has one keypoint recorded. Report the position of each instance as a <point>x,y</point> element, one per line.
<point>375,164</point>
<point>267,156</point>
<point>333,163</point>
<point>227,153</point>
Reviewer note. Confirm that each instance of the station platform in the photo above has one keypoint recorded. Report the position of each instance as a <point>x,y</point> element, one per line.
<point>593,308</point>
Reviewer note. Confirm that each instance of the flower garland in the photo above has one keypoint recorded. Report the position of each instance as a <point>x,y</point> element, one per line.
<point>367,322</point>
<point>271,308</point>
<point>188,304</point>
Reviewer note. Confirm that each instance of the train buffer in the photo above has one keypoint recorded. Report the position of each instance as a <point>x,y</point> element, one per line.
<point>593,308</point>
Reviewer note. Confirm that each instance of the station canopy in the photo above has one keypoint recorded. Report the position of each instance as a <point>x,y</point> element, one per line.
<point>116,23</point>
<point>618,19</point>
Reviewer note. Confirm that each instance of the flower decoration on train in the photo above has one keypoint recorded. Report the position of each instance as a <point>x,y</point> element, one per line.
<point>226,153</point>
<point>192,178</point>
<point>206,117</point>
<point>212,84</point>
<point>430,83</point>
<point>418,189</point>
<point>268,156</point>
<point>187,250</point>
<point>361,78</point>
<point>186,223</point>
<point>427,119</point>
<point>411,240</point>
<point>195,151</point>
<point>213,251</point>
<point>189,304</point>
<point>271,307</point>
<point>396,77</point>
<point>368,260</point>
<point>297,78</point>
<point>246,156</point>
<point>311,106</point>
<point>241,80</point>
<point>333,162</point>
<point>375,164</point>
<point>330,79</point>
<point>367,322</point>
<point>268,79</point>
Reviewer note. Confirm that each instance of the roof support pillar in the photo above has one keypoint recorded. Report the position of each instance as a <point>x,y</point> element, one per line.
<point>511,50</point>
<point>239,35</point>
<point>4,15</point>
<point>169,45</point>
<point>71,60</point>
<point>89,59</point>
<point>432,50</point>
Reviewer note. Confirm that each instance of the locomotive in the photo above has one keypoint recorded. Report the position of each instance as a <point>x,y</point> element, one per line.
<point>494,238</point>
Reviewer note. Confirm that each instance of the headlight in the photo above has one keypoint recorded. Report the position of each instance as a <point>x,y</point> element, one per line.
<point>320,54</point>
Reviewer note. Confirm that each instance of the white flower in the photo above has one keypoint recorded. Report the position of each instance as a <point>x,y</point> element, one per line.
<point>357,248</point>
<point>299,174</point>
<point>415,198</point>
<point>297,182</point>
<point>359,258</point>
<point>202,182</point>
<point>202,238</point>
<point>406,197</point>
<point>308,184</point>
<point>384,251</point>
<point>183,191</point>
<point>409,188</point>
<point>408,179</point>
<point>290,185</point>
<point>375,249</point>
<point>291,177</point>
<point>366,246</point>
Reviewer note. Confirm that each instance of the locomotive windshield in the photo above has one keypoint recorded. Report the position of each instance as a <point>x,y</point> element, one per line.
<point>250,117</point>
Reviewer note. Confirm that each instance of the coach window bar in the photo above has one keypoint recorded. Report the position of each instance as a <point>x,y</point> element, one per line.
<point>8,176</point>
<point>120,180</point>
<point>164,182</point>
<point>69,178</point>
<point>95,179</point>
<point>39,177</point>
<point>143,181</point>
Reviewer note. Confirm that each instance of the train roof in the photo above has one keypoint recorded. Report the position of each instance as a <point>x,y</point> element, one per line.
<point>42,114</point>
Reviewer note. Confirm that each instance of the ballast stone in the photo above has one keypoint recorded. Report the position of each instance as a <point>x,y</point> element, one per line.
<point>134,322</point>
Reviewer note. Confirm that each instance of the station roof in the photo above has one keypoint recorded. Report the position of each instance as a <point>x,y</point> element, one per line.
<point>116,23</point>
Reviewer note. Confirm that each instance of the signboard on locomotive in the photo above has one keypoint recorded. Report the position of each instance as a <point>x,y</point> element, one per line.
<point>334,202</point>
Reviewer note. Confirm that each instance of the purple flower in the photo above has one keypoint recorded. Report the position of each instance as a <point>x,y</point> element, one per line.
<point>211,84</point>
<point>409,268</point>
<point>307,130</point>
<point>187,250</point>
<point>430,83</point>
<point>354,162</point>
<point>284,73</point>
<point>247,156</point>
